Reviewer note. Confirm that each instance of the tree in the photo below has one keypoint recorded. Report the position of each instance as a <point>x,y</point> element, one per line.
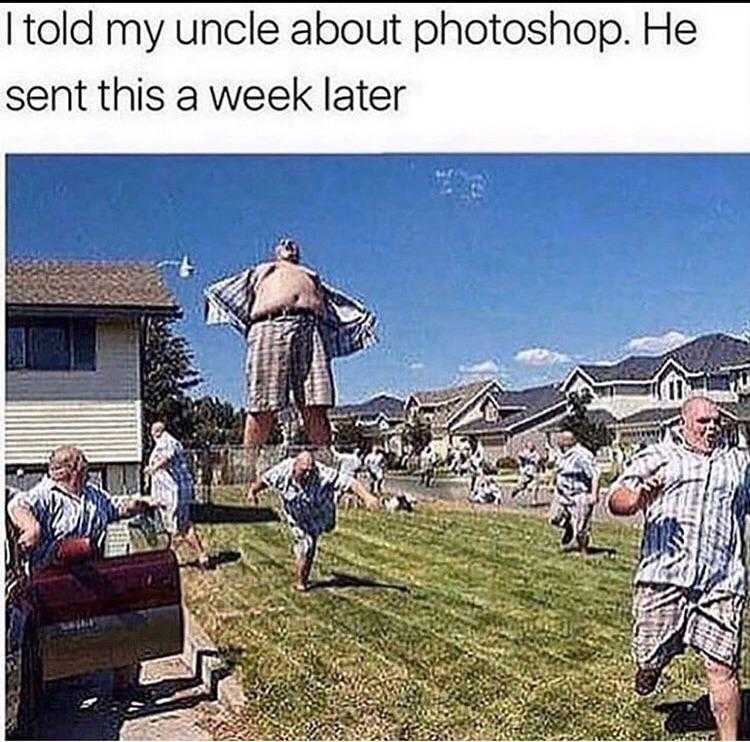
<point>215,422</point>
<point>347,434</point>
<point>168,373</point>
<point>417,435</point>
<point>592,435</point>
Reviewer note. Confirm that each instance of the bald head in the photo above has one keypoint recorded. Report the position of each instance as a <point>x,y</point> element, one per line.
<point>304,467</point>
<point>157,429</point>
<point>68,467</point>
<point>566,440</point>
<point>287,250</point>
<point>701,423</point>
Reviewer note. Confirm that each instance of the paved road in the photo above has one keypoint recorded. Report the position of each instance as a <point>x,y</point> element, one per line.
<point>456,489</point>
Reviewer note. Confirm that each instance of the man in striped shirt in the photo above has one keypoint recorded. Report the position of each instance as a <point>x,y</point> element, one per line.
<point>576,493</point>
<point>690,584</point>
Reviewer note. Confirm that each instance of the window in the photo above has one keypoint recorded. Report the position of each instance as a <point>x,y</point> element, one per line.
<point>51,344</point>
<point>679,388</point>
<point>15,353</point>
<point>671,390</point>
<point>490,413</point>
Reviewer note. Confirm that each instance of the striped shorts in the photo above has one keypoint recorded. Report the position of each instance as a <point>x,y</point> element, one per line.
<point>667,619</point>
<point>286,355</point>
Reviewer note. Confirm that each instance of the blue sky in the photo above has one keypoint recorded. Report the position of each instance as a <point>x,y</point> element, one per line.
<point>520,265</point>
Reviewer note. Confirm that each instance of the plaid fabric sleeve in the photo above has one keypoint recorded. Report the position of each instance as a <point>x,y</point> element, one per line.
<point>639,468</point>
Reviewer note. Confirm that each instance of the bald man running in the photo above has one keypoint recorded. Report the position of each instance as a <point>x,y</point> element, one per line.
<point>691,582</point>
<point>310,493</point>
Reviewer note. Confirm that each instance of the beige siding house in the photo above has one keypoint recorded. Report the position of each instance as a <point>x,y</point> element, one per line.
<point>643,394</point>
<point>74,341</point>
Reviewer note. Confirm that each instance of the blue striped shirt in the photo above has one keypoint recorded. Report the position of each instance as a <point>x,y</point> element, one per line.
<point>61,515</point>
<point>694,530</point>
<point>574,473</point>
<point>312,507</point>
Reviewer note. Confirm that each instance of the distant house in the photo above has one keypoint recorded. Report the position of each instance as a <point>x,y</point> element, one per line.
<point>524,416</point>
<point>380,419</point>
<point>74,348</point>
<point>638,399</point>
<point>644,393</point>
<point>440,407</point>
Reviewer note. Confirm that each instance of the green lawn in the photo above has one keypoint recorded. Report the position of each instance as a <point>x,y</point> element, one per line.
<point>497,636</point>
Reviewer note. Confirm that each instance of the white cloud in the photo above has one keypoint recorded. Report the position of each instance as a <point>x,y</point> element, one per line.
<point>481,369</point>
<point>461,186</point>
<point>541,357</point>
<point>659,343</point>
<point>416,366</point>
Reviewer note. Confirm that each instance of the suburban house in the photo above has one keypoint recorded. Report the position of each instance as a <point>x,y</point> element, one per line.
<point>75,333</point>
<point>380,419</point>
<point>638,399</point>
<point>644,393</point>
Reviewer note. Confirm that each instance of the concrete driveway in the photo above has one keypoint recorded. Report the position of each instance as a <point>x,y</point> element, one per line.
<point>182,691</point>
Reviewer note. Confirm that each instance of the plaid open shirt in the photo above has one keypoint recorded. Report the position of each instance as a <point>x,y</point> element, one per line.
<point>346,327</point>
<point>694,530</point>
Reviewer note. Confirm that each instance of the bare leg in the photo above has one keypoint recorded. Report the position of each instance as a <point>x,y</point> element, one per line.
<point>724,693</point>
<point>193,540</point>
<point>317,427</point>
<point>305,554</point>
<point>258,427</point>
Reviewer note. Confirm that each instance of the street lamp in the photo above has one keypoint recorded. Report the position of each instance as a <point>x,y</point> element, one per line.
<point>185,268</point>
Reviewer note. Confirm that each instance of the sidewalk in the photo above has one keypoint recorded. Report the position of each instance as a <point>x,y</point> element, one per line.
<point>183,689</point>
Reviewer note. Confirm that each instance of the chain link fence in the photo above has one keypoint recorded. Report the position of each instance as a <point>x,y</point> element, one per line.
<point>222,466</point>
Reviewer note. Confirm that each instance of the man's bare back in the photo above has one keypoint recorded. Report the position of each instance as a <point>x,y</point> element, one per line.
<point>285,285</point>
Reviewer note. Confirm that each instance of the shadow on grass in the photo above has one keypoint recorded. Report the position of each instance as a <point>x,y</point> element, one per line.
<point>232,514</point>
<point>340,581</point>
<point>217,560</point>
<point>695,716</point>
<point>602,551</point>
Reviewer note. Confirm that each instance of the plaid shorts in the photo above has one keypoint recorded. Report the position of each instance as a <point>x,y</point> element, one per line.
<point>287,355</point>
<point>667,619</point>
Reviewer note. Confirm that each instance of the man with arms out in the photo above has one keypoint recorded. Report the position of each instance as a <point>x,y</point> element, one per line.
<point>375,465</point>
<point>172,488</point>
<point>691,582</point>
<point>309,494</point>
<point>294,325</point>
<point>576,493</point>
<point>64,506</point>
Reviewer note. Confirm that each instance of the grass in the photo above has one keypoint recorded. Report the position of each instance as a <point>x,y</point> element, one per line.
<point>496,636</point>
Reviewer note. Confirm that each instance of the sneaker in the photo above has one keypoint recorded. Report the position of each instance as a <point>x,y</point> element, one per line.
<point>646,680</point>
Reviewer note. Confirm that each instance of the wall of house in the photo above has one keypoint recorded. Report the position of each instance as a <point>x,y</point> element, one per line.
<point>621,406</point>
<point>100,411</point>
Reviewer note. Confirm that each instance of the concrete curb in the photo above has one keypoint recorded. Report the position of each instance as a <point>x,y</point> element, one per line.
<point>202,655</point>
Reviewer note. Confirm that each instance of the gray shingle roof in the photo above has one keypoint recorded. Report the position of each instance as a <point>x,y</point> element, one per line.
<point>705,353</point>
<point>534,400</point>
<point>440,396</point>
<point>391,407</point>
<point>59,283</point>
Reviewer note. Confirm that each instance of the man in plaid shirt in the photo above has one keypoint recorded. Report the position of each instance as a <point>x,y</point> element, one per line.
<point>690,584</point>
